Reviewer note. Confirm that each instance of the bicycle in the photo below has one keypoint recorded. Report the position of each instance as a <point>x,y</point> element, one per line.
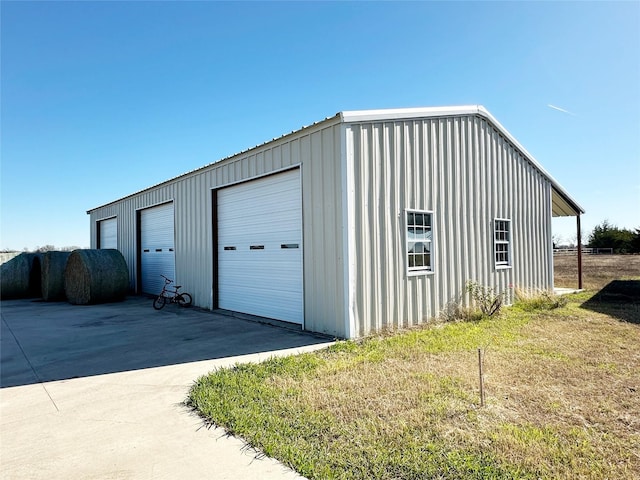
<point>172,296</point>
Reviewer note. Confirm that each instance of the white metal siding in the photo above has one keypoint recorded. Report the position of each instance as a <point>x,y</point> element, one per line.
<point>157,256</point>
<point>465,172</point>
<point>109,233</point>
<point>260,247</point>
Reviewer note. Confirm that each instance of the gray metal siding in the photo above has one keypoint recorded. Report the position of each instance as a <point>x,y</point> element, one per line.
<point>322,223</point>
<point>316,150</point>
<point>465,172</point>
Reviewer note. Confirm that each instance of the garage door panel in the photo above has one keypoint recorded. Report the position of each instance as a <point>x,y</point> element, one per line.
<point>265,281</point>
<point>262,303</point>
<point>157,247</point>
<point>282,263</point>
<point>109,233</point>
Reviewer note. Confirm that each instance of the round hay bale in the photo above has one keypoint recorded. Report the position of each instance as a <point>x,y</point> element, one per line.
<point>95,276</point>
<point>20,277</point>
<point>52,278</point>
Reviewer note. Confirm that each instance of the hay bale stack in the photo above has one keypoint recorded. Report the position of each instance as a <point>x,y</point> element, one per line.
<point>95,276</point>
<point>52,278</point>
<point>20,277</point>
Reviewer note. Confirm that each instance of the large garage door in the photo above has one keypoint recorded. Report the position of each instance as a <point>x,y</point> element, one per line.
<point>260,247</point>
<point>157,256</point>
<point>108,233</point>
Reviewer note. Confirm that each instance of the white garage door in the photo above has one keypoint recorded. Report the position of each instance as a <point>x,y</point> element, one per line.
<point>260,247</point>
<point>157,256</point>
<point>108,231</point>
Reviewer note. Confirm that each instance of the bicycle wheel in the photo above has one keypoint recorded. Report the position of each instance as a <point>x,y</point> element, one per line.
<point>184,299</point>
<point>159,302</point>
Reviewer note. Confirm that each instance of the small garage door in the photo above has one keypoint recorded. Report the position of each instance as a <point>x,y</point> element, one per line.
<point>108,233</point>
<point>157,256</point>
<point>260,247</point>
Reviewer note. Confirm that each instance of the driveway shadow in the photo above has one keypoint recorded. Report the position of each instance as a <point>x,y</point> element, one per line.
<point>620,299</point>
<point>42,342</point>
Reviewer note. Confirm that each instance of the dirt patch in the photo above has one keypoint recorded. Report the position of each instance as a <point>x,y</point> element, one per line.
<point>597,270</point>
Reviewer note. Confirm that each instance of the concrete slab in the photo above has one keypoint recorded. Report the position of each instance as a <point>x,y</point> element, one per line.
<point>97,392</point>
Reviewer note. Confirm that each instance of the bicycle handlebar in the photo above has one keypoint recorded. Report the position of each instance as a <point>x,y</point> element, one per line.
<point>166,279</point>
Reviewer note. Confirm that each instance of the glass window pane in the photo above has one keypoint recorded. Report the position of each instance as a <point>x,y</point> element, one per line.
<point>418,238</point>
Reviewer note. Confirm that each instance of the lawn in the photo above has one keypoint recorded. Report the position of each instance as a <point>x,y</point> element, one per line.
<point>562,395</point>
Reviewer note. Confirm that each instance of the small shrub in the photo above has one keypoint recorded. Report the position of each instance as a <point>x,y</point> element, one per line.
<point>488,300</point>
<point>530,301</point>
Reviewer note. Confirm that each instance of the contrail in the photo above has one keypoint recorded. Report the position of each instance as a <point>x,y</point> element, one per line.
<point>561,109</point>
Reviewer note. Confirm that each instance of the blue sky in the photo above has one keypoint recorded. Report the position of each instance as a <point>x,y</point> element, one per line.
<point>101,99</point>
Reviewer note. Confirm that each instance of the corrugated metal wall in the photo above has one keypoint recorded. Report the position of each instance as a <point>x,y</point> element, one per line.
<point>460,167</point>
<point>467,174</point>
<point>316,150</point>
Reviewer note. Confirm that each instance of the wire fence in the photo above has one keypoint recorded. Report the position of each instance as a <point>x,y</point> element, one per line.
<point>585,251</point>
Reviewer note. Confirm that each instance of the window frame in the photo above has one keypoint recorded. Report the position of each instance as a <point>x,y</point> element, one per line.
<point>496,242</point>
<point>421,270</point>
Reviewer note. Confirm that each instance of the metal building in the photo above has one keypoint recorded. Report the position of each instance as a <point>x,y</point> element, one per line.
<point>365,220</point>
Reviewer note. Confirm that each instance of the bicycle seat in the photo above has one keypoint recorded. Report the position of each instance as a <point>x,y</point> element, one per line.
<point>178,286</point>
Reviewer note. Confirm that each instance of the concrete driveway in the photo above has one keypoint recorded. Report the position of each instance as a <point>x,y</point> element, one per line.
<point>96,392</point>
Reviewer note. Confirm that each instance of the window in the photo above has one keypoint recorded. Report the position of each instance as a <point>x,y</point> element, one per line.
<point>419,235</point>
<point>502,242</point>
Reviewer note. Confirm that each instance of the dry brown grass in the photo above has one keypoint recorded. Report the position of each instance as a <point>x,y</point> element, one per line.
<point>597,270</point>
<point>562,396</point>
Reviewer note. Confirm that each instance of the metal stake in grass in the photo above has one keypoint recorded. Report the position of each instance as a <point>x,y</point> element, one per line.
<point>481,377</point>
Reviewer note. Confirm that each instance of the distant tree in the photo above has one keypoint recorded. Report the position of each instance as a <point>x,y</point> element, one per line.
<point>607,235</point>
<point>51,248</point>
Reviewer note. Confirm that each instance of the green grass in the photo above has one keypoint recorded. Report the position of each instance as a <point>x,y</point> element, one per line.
<point>562,400</point>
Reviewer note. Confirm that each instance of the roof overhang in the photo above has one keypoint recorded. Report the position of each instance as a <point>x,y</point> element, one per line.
<point>563,206</point>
